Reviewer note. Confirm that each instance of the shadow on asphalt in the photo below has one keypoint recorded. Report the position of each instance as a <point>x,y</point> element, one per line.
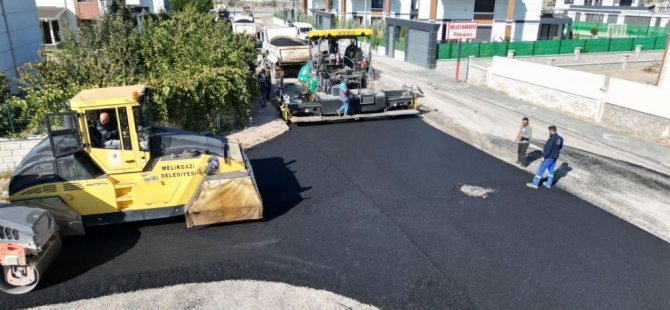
<point>279,188</point>
<point>561,171</point>
<point>99,246</point>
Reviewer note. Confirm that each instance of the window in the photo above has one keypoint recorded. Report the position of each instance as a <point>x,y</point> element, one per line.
<point>484,6</point>
<point>588,2</point>
<point>568,1</point>
<point>626,3</point>
<point>103,129</point>
<point>63,132</point>
<point>377,4</point>
<point>46,33</point>
<point>142,131</point>
<point>50,32</point>
<point>125,129</point>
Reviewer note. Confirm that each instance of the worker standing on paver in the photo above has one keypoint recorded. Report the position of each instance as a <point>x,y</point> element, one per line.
<point>344,97</point>
<point>523,140</point>
<point>549,157</point>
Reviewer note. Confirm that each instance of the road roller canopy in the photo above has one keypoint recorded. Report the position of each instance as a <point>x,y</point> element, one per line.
<point>107,96</point>
<point>339,33</point>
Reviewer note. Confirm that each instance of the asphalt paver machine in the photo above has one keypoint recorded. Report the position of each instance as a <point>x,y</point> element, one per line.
<point>335,55</point>
<point>76,178</point>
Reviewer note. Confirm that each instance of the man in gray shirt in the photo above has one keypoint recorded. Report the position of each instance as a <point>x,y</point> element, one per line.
<point>523,139</point>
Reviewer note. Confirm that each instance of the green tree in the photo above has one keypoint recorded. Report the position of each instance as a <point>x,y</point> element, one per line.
<point>199,5</point>
<point>196,67</point>
<point>594,31</point>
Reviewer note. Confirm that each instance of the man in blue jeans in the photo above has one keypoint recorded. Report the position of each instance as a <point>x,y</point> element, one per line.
<point>344,97</point>
<point>549,157</point>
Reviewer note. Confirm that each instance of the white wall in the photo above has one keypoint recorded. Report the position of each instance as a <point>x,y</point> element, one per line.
<point>523,10</point>
<point>645,98</point>
<point>664,80</point>
<point>19,22</point>
<point>455,9</point>
<point>583,83</point>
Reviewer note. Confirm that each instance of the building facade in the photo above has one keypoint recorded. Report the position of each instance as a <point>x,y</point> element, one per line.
<point>631,12</point>
<point>530,19</point>
<point>19,35</point>
<point>55,15</point>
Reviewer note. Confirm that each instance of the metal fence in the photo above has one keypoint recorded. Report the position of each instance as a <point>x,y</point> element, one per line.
<point>550,47</point>
<point>630,29</point>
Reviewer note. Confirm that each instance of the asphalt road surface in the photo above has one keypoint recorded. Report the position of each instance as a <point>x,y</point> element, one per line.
<point>372,211</point>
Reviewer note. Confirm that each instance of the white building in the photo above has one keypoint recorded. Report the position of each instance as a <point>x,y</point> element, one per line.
<point>19,35</point>
<point>632,12</point>
<point>54,15</point>
<point>528,22</point>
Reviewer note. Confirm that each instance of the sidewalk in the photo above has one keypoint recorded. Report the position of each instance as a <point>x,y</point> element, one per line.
<point>602,140</point>
<point>265,125</point>
<point>623,175</point>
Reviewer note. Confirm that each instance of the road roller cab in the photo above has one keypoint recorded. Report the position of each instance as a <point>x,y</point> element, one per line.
<point>104,162</point>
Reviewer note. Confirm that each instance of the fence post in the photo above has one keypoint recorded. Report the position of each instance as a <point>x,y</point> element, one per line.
<point>638,49</point>
<point>533,49</point>
<point>560,43</point>
<point>609,45</point>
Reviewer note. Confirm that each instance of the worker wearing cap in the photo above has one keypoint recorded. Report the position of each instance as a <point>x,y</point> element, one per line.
<point>550,155</point>
<point>344,97</point>
<point>523,140</point>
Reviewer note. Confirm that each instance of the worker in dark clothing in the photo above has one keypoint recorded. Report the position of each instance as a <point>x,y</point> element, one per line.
<point>264,86</point>
<point>549,157</point>
<point>325,82</point>
<point>109,133</point>
<point>523,140</point>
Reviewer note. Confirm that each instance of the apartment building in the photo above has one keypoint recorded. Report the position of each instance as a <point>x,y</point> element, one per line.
<point>632,12</point>
<point>54,15</point>
<point>531,20</point>
<point>19,35</point>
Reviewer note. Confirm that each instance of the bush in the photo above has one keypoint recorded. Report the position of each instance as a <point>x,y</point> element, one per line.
<point>594,31</point>
<point>195,67</point>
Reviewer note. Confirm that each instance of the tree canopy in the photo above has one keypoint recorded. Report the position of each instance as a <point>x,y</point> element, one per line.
<point>198,70</point>
<point>197,5</point>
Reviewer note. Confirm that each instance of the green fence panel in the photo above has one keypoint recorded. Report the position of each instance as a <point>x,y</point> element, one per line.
<point>647,43</point>
<point>597,46</point>
<point>443,50</point>
<point>568,46</point>
<point>522,48</point>
<point>493,49</point>
<point>661,42</point>
<point>621,44</point>
<point>468,49</point>
<point>547,47</point>
<point>637,30</point>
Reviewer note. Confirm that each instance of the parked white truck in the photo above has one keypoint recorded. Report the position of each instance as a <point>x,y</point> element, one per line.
<point>284,53</point>
<point>244,24</point>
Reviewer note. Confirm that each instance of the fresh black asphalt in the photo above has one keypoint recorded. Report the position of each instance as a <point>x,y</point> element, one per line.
<point>372,211</point>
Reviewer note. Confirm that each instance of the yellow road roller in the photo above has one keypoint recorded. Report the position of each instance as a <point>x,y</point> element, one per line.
<point>102,162</point>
